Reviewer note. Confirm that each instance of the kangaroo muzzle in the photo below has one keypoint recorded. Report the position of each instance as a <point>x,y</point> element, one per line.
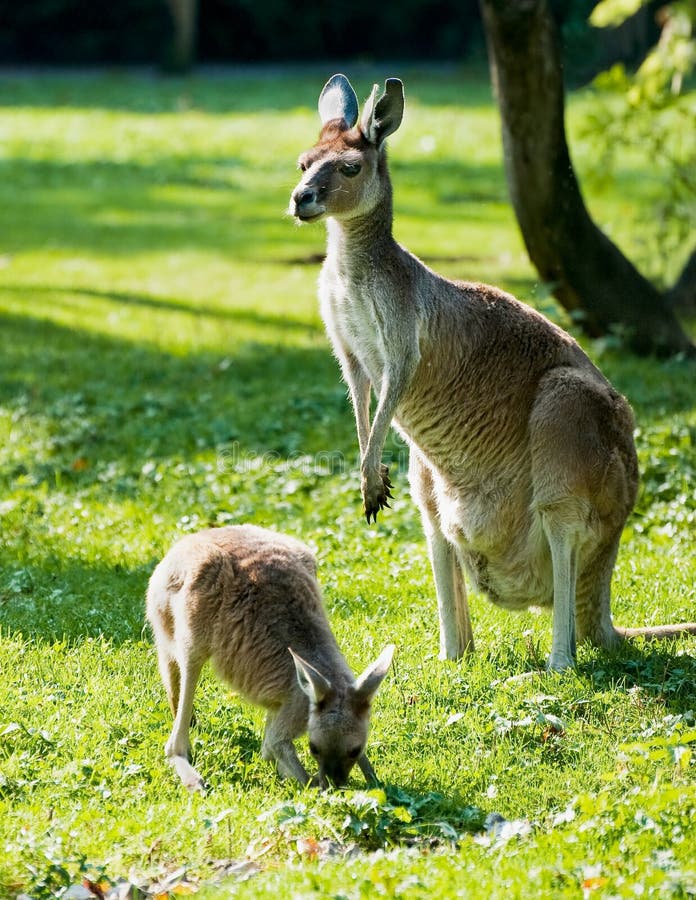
<point>305,203</point>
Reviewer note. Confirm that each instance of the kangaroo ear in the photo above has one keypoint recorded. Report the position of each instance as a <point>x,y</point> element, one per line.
<point>338,101</point>
<point>313,683</point>
<point>382,117</point>
<point>367,684</point>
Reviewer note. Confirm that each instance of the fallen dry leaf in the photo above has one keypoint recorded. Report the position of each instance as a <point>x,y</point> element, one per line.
<point>591,884</point>
<point>308,847</point>
<point>183,889</point>
<point>98,889</point>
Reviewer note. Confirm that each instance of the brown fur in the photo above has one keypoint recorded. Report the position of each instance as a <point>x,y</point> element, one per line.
<point>522,454</point>
<point>241,596</point>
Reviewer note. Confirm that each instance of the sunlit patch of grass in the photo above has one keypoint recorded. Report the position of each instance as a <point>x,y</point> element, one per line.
<point>164,369</point>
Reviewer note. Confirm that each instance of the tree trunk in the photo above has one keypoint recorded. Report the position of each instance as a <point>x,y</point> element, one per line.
<point>182,50</point>
<point>682,295</point>
<point>588,274</point>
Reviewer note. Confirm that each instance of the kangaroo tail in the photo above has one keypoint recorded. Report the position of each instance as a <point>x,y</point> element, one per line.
<point>659,632</point>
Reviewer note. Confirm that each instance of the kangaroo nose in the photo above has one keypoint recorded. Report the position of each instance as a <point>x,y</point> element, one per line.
<point>305,197</point>
<point>307,202</point>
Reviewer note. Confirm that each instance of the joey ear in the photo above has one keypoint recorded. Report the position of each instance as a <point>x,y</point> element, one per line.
<point>338,101</point>
<point>382,117</point>
<point>366,685</point>
<point>312,682</point>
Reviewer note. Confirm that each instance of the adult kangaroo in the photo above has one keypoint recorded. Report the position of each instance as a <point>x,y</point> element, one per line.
<point>522,458</point>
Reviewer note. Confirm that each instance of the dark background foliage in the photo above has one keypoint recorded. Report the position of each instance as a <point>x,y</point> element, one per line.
<point>81,32</point>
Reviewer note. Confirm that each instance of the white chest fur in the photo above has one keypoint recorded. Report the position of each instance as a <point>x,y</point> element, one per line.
<point>350,310</point>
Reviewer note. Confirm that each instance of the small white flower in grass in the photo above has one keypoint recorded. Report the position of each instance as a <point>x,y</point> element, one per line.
<point>455,717</point>
<point>562,818</point>
<point>427,143</point>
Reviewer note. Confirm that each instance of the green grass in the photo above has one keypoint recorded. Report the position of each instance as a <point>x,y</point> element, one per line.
<point>164,368</point>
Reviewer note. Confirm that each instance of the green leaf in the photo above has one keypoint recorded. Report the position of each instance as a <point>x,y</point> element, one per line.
<point>610,13</point>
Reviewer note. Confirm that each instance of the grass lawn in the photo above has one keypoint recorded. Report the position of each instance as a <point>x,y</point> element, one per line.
<point>164,368</point>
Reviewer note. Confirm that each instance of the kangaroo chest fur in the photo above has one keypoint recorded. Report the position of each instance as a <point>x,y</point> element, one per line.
<point>350,310</point>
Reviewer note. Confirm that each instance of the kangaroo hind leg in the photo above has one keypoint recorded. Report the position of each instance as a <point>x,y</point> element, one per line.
<point>583,472</point>
<point>593,604</point>
<point>171,676</point>
<point>564,558</point>
<point>456,635</point>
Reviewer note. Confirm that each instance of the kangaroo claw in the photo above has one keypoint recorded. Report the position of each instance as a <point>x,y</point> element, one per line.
<point>376,491</point>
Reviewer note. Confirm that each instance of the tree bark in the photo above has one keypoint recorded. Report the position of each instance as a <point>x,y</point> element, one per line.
<point>588,274</point>
<point>682,295</point>
<point>182,50</point>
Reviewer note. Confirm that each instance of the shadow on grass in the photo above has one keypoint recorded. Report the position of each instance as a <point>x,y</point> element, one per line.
<point>163,304</point>
<point>87,412</point>
<point>67,599</point>
<point>454,187</point>
<point>104,398</point>
<point>224,733</point>
<point>384,815</point>
<point>655,668</point>
<point>238,89</point>
<point>178,203</point>
<point>120,208</point>
<point>402,816</point>
<point>96,409</point>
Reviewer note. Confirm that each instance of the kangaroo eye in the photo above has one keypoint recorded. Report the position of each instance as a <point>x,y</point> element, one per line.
<point>313,749</point>
<point>350,170</point>
<point>354,753</point>
<point>302,166</point>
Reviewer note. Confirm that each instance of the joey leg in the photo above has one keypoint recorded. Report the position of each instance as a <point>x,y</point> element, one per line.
<point>282,727</point>
<point>367,770</point>
<point>178,747</point>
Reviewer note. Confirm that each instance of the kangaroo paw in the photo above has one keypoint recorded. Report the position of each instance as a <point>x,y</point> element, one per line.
<point>376,492</point>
